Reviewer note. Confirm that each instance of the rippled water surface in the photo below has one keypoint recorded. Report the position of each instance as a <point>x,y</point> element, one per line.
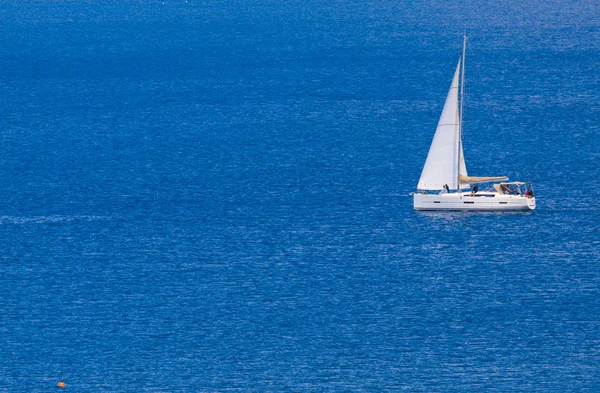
<point>210,196</point>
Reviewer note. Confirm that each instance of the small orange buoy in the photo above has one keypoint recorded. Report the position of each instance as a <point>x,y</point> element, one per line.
<point>61,384</point>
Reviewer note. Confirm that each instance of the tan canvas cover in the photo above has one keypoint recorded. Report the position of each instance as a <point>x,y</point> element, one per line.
<point>500,188</point>
<point>480,179</point>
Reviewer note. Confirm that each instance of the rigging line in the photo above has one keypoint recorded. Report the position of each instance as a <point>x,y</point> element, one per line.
<point>535,175</point>
<point>487,102</point>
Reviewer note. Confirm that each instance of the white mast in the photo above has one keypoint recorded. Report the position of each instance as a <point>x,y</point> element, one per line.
<point>460,116</point>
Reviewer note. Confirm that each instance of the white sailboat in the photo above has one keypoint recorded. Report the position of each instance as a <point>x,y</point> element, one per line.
<point>444,178</point>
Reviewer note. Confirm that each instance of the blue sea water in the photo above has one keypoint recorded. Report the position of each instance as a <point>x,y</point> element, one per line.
<point>210,196</point>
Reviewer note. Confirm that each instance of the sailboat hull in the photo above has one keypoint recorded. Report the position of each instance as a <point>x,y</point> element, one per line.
<point>485,201</point>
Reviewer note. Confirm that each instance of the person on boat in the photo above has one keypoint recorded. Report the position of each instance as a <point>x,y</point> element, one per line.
<point>529,194</point>
<point>446,189</point>
<point>474,190</point>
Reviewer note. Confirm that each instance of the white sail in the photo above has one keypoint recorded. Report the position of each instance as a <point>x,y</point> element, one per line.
<point>441,166</point>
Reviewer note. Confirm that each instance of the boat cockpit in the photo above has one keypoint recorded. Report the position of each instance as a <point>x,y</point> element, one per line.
<point>514,188</point>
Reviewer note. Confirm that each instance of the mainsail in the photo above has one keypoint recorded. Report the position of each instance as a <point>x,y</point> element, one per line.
<point>445,162</point>
<point>441,166</point>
